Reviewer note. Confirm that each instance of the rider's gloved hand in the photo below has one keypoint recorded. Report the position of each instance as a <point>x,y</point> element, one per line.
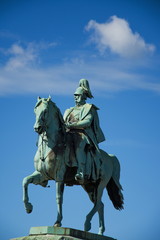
<point>70,125</point>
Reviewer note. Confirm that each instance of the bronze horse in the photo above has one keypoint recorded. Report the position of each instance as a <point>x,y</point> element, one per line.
<point>50,164</point>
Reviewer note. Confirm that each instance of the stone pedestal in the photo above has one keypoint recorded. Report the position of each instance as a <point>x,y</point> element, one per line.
<point>60,233</point>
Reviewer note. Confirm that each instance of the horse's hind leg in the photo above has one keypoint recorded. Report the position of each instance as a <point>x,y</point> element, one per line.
<point>87,224</point>
<point>59,199</point>
<point>95,196</point>
<point>35,178</point>
<point>101,219</point>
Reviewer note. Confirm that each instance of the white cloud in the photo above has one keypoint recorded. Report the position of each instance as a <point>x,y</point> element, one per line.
<point>22,75</point>
<point>20,57</point>
<point>62,79</point>
<point>117,36</point>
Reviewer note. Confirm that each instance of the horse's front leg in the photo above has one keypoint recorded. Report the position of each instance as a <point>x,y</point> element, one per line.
<point>26,181</point>
<point>35,178</point>
<point>59,199</point>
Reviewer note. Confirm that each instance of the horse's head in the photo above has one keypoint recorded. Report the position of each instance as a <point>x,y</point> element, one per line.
<point>41,111</point>
<point>48,117</point>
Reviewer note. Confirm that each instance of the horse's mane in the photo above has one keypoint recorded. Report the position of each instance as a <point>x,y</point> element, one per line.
<point>40,100</point>
<point>55,108</point>
<point>59,114</point>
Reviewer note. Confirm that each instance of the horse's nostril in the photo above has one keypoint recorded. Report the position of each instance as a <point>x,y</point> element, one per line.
<point>35,129</point>
<point>38,129</point>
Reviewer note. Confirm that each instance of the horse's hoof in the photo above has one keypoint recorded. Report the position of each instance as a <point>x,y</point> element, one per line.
<point>100,233</point>
<point>29,207</point>
<point>57,224</point>
<point>87,226</point>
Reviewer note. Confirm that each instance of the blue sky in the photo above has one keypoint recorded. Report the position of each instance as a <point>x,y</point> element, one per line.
<point>45,48</point>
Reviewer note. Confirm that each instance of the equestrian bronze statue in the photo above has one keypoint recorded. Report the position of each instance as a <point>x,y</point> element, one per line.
<point>68,153</point>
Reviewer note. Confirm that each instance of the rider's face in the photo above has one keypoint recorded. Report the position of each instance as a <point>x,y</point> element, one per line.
<point>78,98</point>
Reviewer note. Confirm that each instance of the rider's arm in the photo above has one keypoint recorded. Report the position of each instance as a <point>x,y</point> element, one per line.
<point>86,122</point>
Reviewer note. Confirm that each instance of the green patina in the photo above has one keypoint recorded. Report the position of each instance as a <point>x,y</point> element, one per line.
<point>68,152</point>
<point>60,233</point>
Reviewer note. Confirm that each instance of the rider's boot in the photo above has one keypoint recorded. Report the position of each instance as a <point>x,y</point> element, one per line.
<point>80,176</point>
<point>81,159</point>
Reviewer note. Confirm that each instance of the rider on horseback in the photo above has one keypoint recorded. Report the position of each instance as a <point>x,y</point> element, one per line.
<point>84,132</point>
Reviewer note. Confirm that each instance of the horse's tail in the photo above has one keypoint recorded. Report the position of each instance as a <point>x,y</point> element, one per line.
<point>114,187</point>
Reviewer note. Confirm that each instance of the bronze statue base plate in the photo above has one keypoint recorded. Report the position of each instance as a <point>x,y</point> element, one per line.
<point>61,233</point>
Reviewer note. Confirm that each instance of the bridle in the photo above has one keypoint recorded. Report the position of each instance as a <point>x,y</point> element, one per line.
<point>45,136</point>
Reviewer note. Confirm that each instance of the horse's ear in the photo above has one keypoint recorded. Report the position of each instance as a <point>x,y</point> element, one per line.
<point>38,98</point>
<point>49,98</point>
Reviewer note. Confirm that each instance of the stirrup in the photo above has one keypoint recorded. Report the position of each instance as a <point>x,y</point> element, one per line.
<point>79,176</point>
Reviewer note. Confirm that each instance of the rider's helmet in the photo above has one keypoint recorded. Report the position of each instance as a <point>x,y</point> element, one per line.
<point>84,89</point>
